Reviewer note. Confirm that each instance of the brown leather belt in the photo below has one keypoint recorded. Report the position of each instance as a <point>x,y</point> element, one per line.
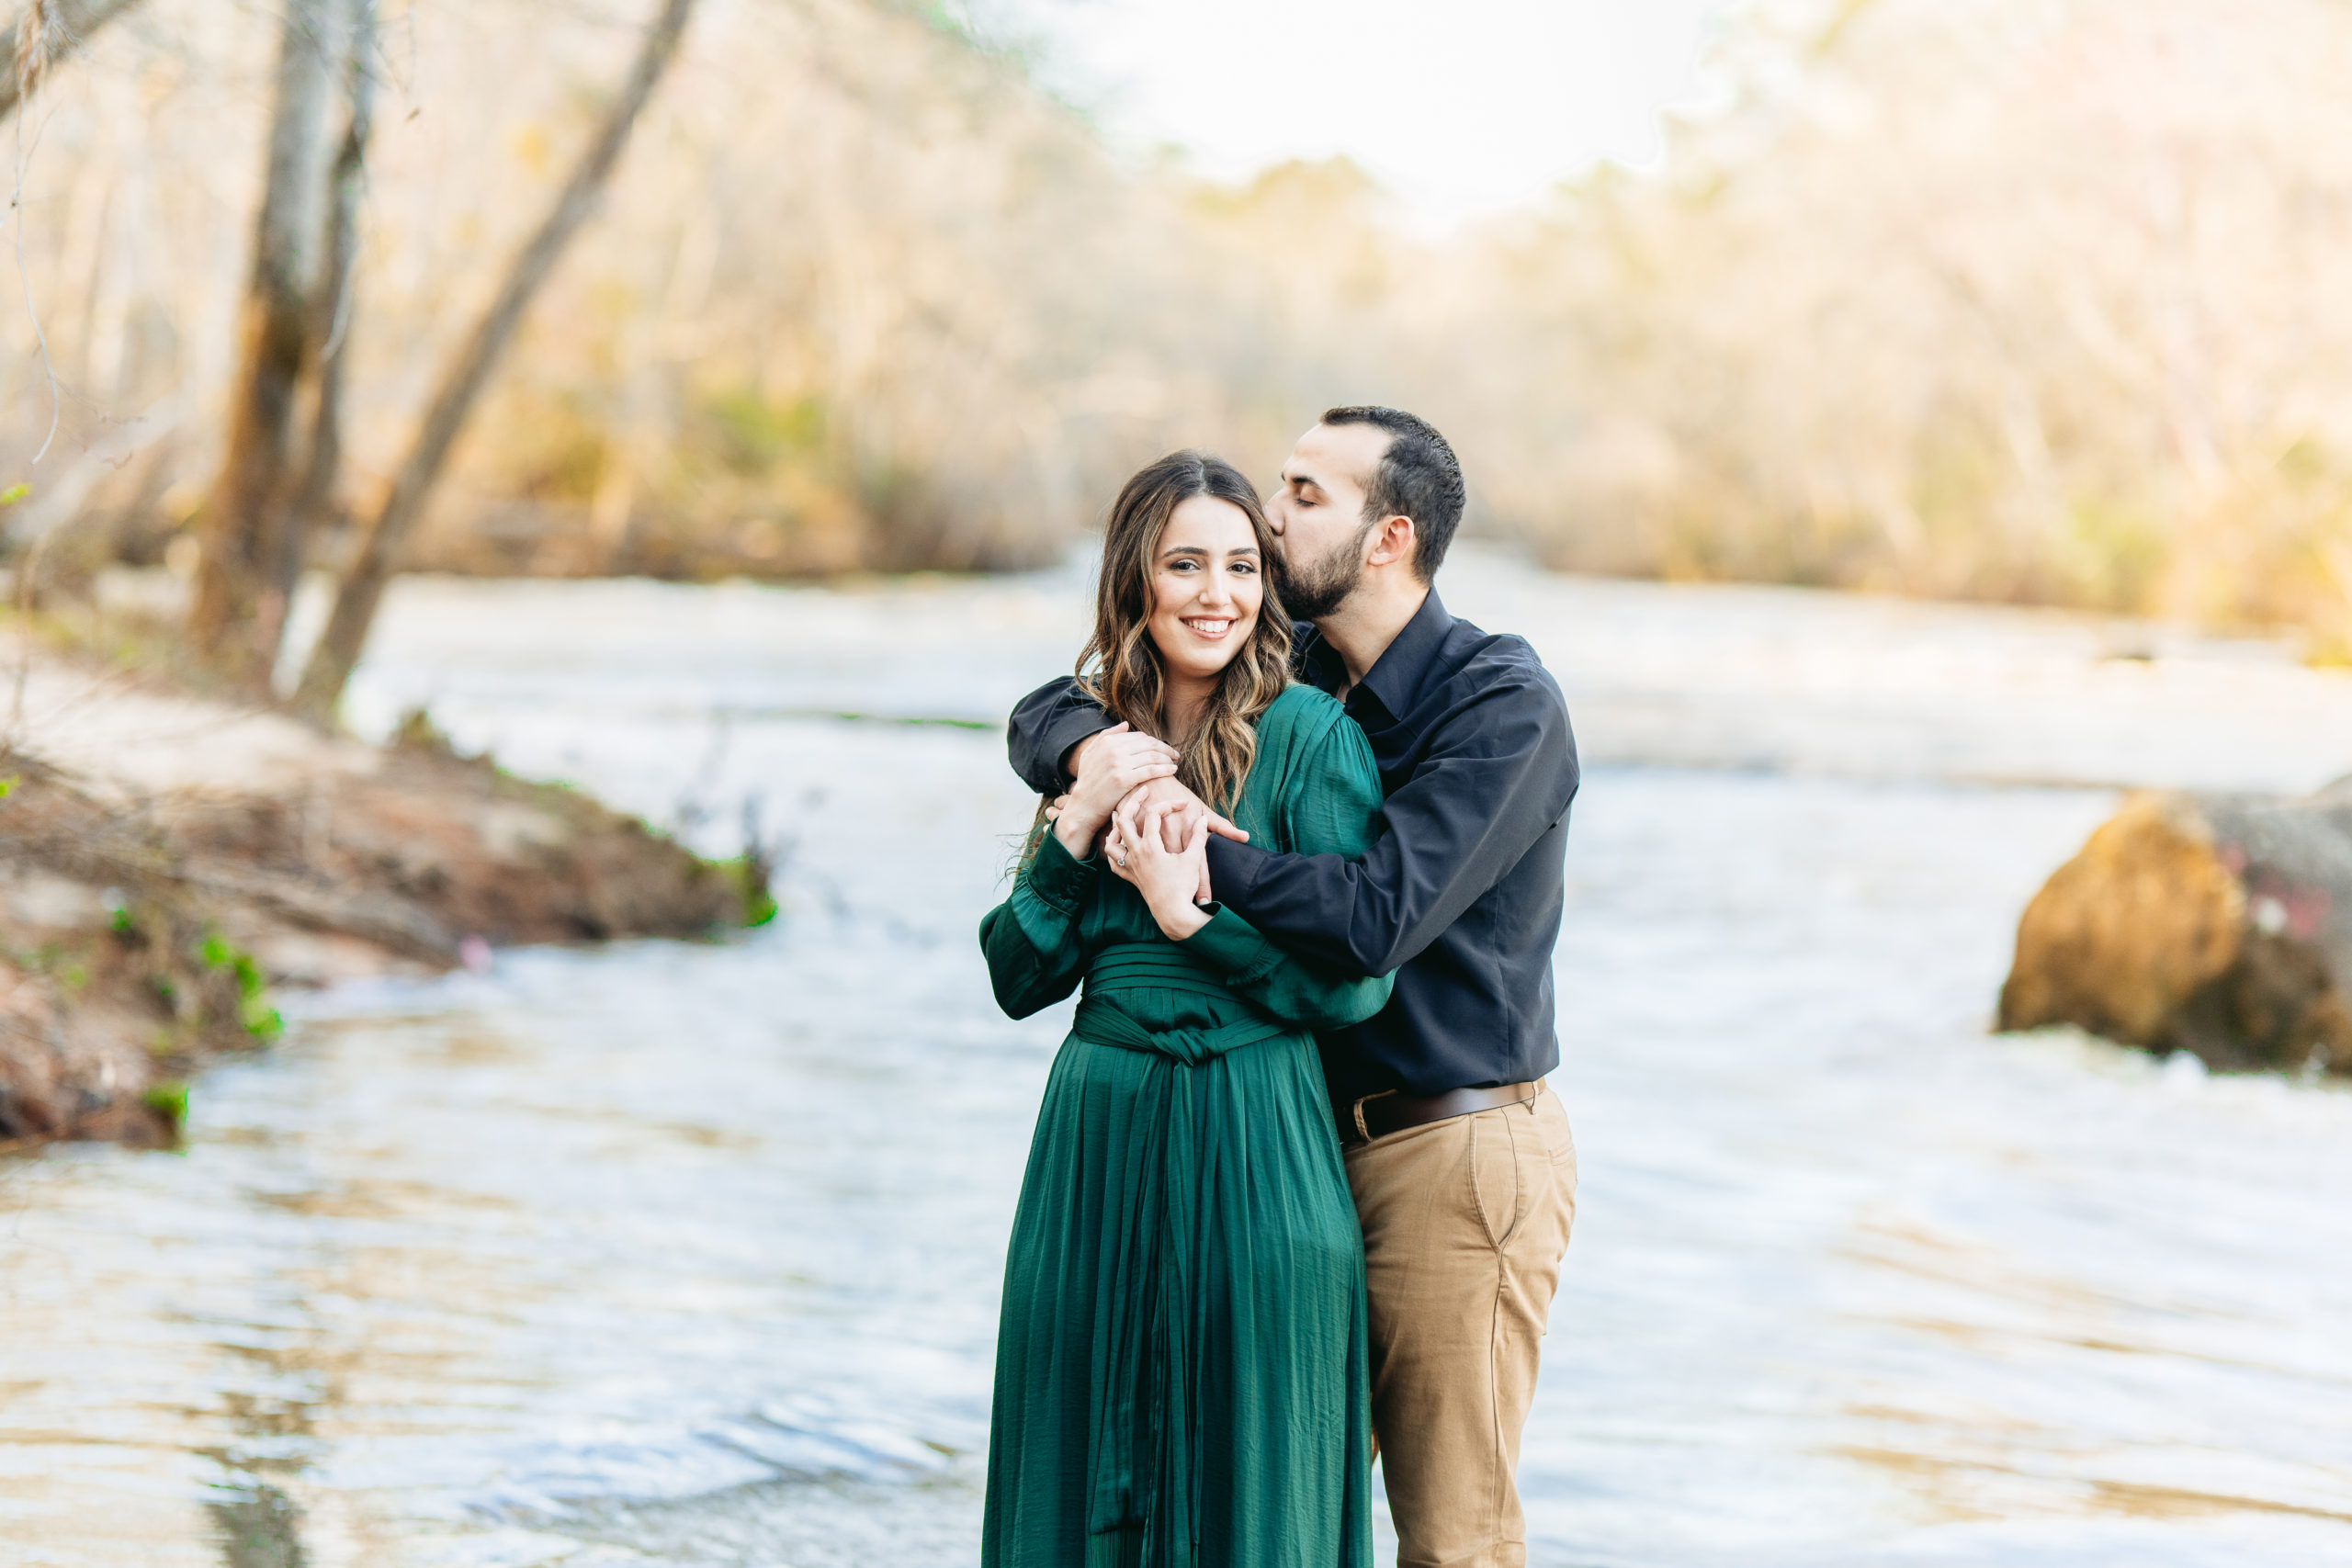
<point>1377,1116</point>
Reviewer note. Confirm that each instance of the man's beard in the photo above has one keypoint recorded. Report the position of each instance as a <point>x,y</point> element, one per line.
<point>1311,591</point>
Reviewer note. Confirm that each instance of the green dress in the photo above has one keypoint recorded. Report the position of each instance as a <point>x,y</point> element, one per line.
<point>1179,1368</point>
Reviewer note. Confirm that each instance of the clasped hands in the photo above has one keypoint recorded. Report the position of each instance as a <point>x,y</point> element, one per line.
<point>1151,829</point>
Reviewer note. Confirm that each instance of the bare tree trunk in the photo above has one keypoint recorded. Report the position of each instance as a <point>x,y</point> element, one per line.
<point>332,309</point>
<point>43,34</point>
<point>238,612</point>
<point>362,588</point>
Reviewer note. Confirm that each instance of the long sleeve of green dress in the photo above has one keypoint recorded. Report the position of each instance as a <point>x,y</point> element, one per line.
<point>1181,1364</point>
<point>1031,940</point>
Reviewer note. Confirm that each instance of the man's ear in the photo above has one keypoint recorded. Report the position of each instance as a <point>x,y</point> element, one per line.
<point>1391,542</point>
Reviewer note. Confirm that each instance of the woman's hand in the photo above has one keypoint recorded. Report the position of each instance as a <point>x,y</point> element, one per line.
<point>1111,764</point>
<point>1168,879</point>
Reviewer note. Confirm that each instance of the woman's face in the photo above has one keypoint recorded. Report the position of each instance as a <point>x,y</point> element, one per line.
<point>1206,585</point>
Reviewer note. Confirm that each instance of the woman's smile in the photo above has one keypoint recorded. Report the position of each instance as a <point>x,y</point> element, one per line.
<point>1206,589</point>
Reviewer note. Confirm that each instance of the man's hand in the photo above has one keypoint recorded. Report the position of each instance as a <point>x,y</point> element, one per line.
<point>1178,825</point>
<point>1111,764</point>
<point>1115,747</point>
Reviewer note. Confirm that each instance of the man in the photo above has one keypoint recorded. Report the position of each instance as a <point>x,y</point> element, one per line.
<point>1459,1158</point>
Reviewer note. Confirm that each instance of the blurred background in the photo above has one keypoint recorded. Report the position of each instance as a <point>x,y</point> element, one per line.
<point>481,480</point>
<point>2029,303</point>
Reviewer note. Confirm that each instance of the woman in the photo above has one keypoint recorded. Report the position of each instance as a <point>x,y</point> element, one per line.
<point>1180,1374</point>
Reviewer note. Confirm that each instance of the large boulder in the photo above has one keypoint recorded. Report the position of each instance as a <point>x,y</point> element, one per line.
<point>2220,925</point>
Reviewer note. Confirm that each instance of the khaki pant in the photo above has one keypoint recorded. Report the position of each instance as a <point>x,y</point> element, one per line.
<point>1465,1224</point>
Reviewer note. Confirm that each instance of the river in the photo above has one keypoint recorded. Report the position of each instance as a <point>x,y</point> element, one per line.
<point>687,1254</point>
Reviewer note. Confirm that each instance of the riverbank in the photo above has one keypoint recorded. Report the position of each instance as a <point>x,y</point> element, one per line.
<point>169,861</point>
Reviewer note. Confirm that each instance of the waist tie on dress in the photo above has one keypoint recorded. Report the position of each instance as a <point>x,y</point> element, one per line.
<point>1147,1441</point>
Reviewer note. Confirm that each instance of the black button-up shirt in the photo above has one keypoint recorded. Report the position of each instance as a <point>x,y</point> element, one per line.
<point>1460,892</point>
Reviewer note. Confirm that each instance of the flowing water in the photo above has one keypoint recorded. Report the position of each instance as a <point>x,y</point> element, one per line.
<point>687,1254</point>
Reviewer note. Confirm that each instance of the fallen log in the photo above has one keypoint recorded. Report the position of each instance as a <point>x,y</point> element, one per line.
<point>2220,925</point>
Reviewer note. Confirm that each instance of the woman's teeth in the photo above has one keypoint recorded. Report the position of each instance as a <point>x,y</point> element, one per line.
<point>1208,628</point>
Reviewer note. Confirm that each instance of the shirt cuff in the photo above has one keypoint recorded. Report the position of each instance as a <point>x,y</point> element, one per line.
<point>1233,870</point>
<point>1233,946</point>
<point>1080,721</point>
<point>1058,876</point>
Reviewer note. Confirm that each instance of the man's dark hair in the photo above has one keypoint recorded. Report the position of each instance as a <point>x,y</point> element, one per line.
<point>1417,477</point>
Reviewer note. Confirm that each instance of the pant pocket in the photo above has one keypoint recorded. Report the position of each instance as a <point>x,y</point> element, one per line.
<point>1499,1188</point>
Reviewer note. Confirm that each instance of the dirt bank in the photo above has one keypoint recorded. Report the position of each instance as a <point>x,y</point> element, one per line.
<point>166,861</point>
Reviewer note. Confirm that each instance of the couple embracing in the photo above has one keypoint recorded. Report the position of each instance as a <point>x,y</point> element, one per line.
<point>1297,1192</point>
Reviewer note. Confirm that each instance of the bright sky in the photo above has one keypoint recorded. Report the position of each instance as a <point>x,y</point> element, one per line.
<point>1460,107</point>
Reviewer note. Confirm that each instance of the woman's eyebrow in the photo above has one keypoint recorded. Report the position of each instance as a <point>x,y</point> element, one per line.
<point>1202,551</point>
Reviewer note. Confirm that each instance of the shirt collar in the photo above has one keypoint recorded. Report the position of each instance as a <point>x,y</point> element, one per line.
<point>1397,674</point>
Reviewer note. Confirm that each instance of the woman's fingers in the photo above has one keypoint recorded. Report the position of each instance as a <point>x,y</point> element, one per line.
<point>1144,837</point>
<point>1125,817</point>
<point>1196,841</point>
<point>1146,823</point>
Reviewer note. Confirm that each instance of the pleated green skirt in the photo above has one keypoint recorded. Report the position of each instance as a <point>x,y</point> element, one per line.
<point>1181,1363</point>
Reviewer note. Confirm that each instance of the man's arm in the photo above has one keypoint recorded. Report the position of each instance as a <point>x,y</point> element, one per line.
<point>1044,725</point>
<point>1498,774</point>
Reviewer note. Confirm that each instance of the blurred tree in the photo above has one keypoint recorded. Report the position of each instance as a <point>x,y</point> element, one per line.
<point>362,588</point>
<point>241,585</point>
<point>43,34</point>
<point>314,501</point>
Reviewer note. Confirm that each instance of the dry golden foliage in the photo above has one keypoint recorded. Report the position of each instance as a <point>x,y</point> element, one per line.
<point>2009,300</point>
<point>2021,299</point>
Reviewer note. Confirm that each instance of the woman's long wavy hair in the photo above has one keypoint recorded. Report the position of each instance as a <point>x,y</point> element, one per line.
<point>1121,667</point>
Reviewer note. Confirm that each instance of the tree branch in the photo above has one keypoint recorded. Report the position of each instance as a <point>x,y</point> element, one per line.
<point>71,23</point>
